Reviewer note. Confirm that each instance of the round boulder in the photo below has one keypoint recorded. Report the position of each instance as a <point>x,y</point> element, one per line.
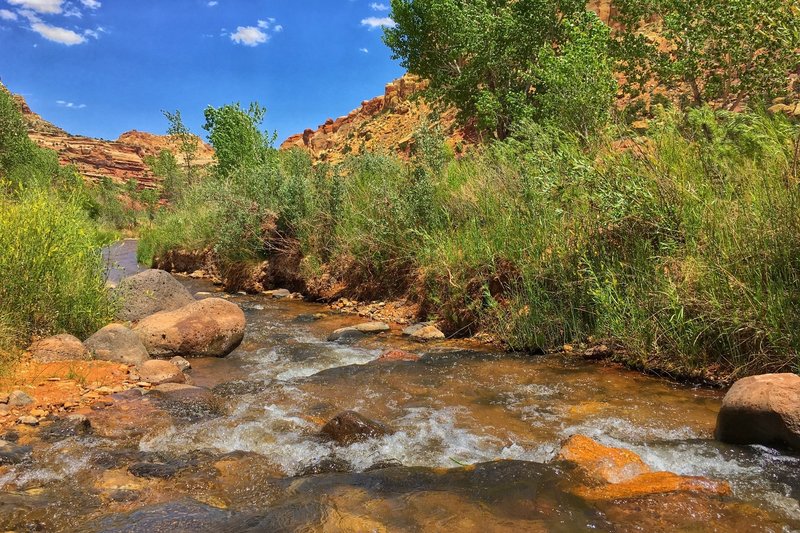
<point>206,328</point>
<point>160,372</point>
<point>149,292</point>
<point>762,410</point>
<point>59,348</point>
<point>119,344</point>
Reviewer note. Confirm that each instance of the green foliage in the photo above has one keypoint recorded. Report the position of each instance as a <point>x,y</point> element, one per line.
<point>234,133</point>
<point>51,268</point>
<point>186,140</point>
<point>576,86</point>
<point>173,181</point>
<point>721,52</point>
<point>483,56</point>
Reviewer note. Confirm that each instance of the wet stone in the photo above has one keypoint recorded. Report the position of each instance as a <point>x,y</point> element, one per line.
<point>346,336</point>
<point>328,465</point>
<point>64,428</point>
<point>231,389</point>
<point>383,465</point>
<point>349,427</point>
<point>123,496</point>
<point>11,454</point>
<point>181,363</point>
<point>28,420</point>
<point>157,470</point>
<point>182,515</point>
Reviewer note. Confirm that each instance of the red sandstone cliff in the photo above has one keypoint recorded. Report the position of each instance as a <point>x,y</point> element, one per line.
<point>121,160</point>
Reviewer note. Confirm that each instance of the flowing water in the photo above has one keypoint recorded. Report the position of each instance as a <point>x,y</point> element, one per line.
<point>475,435</point>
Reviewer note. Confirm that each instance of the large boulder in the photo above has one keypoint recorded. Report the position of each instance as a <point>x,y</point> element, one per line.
<point>119,344</point>
<point>206,328</point>
<point>149,292</point>
<point>59,348</point>
<point>349,427</point>
<point>762,410</point>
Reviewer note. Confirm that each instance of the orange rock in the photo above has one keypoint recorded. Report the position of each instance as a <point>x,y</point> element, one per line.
<point>399,355</point>
<point>654,483</point>
<point>615,473</point>
<point>602,463</point>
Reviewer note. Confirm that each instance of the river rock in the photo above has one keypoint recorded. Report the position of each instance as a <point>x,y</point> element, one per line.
<point>149,292</point>
<point>119,344</point>
<point>207,328</point>
<point>346,335</point>
<point>372,327</point>
<point>160,372</point>
<point>181,363</point>
<point>762,410</point>
<point>28,420</point>
<point>616,474</point>
<point>187,401</point>
<point>427,333</point>
<point>19,399</point>
<point>11,454</point>
<point>399,355</point>
<point>62,347</point>
<point>349,427</point>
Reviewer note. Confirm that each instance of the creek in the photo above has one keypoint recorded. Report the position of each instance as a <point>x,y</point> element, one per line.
<point>476,432</point>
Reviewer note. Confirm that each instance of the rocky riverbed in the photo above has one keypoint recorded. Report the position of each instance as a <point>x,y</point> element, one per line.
<point>300,428</point>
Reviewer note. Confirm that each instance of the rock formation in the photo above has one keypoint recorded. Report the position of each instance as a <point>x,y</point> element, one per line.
<point>387,122</point>
<point>121,160</point>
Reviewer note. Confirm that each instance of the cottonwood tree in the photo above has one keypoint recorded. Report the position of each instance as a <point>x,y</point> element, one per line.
<point>187,141</point>
<point>708,51</point>
<point>482,56</point>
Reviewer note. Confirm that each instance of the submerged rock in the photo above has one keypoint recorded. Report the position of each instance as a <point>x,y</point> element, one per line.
<point>762,410</point>
<point>160,372</point>
<point>349,427</point>
<point>616,473</point>
<point>59,348</point>
<point>149,292</point>
<point>187,401</point>
<point>207,328</point>
<point>399,355</point>
<point>328,465</point>
<point>11,454</point>
<point>63,428</point>
<point>117,343</point>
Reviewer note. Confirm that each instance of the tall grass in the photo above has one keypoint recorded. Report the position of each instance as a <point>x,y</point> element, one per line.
<point>682,245</point>
<point>51,268</point>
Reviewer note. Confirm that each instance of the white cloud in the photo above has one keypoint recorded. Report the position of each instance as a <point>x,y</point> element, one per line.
<point>5,14</point>
<point>70,105</point>
<point>249,36</point>
<point>379,7</point>
<point>378,22</point>
<point>40,6</point>
<point>364,50</point>
<point>212,3</point>
<point>278,28</point>
<point>263,24</point>
<point>72,11</point>
<point>58,35</point>
<point>91,4</point>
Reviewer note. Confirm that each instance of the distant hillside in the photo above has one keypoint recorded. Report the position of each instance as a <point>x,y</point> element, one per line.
<point>121,160</point>
<point>386,122</point>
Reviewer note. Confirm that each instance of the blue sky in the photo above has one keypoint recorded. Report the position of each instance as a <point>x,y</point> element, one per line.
<point>103,67</point>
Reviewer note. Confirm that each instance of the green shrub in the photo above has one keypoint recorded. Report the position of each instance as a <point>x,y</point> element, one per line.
<point>51,268</point>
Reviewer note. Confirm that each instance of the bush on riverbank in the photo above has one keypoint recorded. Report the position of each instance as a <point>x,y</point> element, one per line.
<point>681,245</point>
<point>51,270</point>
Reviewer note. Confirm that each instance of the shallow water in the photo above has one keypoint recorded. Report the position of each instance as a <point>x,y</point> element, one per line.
<point>475,432</point>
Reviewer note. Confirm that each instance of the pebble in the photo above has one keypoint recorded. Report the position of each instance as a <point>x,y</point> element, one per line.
<point>38,413</point>
<point>3,397</point>
<point>181,363</point>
